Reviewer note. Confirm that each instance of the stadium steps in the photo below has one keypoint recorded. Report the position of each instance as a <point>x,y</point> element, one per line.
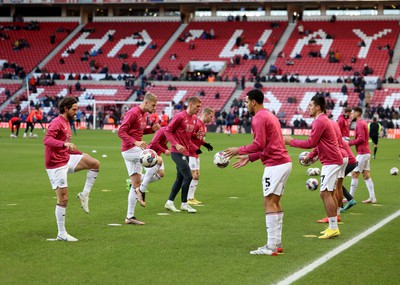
<point>228,103</point>
<point>59,47</point>
<point>41,65</point>
<point>283,40</point>
<point>165,48</point>
<point>395,66</point>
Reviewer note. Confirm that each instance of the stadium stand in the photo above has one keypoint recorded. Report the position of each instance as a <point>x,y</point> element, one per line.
<point>347,38</point>
<point>223,47</point>
<point>119,42</point>
<point>289,103</point>
<point>96,91</point>
<point>7,90</point>
<point>389,97</point>
<point>29,43</point>
<point>182,93</point>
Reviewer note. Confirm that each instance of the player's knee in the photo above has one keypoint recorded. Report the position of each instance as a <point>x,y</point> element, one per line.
<point>95,164</point>
<point>161,173</point>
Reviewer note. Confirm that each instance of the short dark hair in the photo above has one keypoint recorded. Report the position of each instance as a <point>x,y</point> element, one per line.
<point>357,109</point>
<point>347,110</point>
<point>66,102</point>
<point>256,95</point>
<point>319,101</point>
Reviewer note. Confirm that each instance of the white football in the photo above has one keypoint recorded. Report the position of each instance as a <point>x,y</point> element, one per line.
<point>394,171</point>
<point>310,171</point>
<point>221,160</point>
<point>317,171</point>
<point>312,184</point>
<point>303,155</point>
<point>148,158</point>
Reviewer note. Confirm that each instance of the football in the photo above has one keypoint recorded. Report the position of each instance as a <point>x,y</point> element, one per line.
<point>303,155</point>
<point>310,171</point>
<point>312,184</point>
<point>317,171</point>
<point>148,158</point>
<point>394,171</point>
<point>221,160</point>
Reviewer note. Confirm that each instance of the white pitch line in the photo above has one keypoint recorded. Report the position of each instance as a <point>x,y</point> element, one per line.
<point>297,275</point>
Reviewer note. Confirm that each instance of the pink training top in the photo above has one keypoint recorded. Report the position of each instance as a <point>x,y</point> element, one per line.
<point>199,133</point>
<point>344,126</point>
<point>133,127</point>
<point>361,138</point>
<point>324,138</point>
<point>340,141</point>
<point>180,130</point>
<point>55,154</point>
<point>268,144</point>
<point>159,142</point>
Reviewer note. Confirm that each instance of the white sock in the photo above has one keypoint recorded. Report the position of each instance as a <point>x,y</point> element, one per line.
<point>90,179</point>
<point>155,177</point>
<point>333,223</point>
<point>370,186</point>
<point>148,177</point>
<point>132,199</point>
<point>338,211</point>
<point>353,186</point>
<point>280,226</point>
<point>192,189</point>
<point>271,220</point>
<point>60,217</point>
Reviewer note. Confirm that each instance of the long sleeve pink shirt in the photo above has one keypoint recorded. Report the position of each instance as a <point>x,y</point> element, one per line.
<point>268,144</point>
<point>159,142</point>
<point>324,138</point>
<point>361,138</point>
<point>55,154</point>
<point>198,137</point>
<point>132,128</point>
<point>344,126</point>
<point>180,131</point>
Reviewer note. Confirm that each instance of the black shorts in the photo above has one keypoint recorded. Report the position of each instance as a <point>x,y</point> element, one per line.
<point>374,140</point>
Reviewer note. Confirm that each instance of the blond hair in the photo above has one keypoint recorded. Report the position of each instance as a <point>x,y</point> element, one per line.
<point>150,97</point>
<point>207,110</point>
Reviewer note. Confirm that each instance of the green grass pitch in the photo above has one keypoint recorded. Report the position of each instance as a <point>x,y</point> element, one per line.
<point>209,247</point>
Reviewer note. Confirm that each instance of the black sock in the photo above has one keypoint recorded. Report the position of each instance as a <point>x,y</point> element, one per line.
<point>347,194</point>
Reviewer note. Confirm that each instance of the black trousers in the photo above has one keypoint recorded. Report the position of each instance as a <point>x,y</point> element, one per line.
<point>183,176</point>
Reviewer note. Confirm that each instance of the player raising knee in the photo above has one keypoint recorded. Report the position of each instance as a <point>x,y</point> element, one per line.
<point>159,145</point>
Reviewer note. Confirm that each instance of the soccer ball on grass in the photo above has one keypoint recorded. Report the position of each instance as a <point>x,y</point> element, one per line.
<point>148,158</point>
<point>312,184</point>
<point>394,171</point>
<point>221,160</point>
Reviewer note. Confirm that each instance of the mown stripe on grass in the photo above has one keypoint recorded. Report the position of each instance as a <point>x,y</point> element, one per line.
<point>302,272</point>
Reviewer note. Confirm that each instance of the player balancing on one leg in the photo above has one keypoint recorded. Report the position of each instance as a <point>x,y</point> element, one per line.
<point>268,146</point>
<point>61,158</point>
<point>131,131</point>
